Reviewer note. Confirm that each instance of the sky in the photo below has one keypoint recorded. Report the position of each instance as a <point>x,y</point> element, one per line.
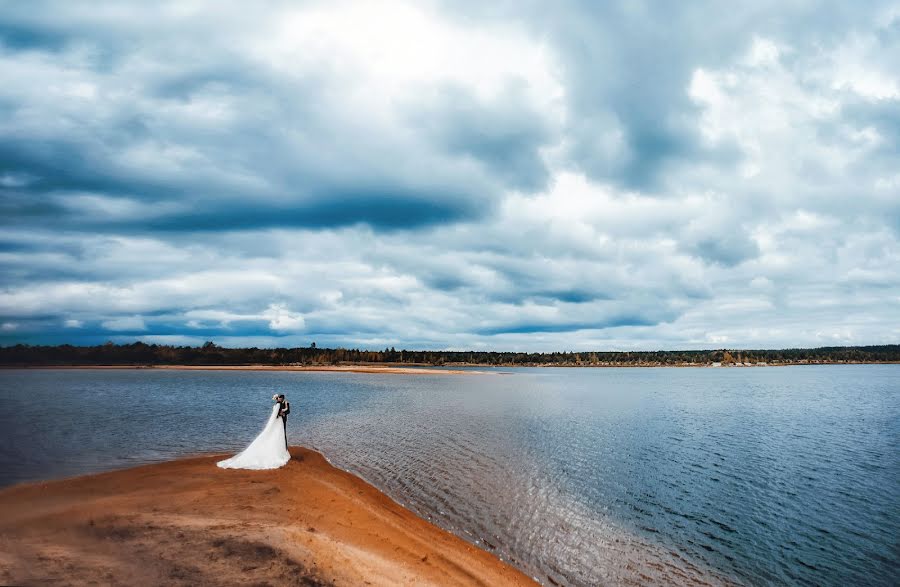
<point>529,176</point>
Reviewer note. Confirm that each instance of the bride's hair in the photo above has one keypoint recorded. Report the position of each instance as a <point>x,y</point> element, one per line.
<point>275,397</point>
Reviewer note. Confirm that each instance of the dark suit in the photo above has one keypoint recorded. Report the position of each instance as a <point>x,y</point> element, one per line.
<point>283,414</point>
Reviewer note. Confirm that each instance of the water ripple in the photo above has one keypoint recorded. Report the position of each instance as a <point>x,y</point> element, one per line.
<point>579,477</point>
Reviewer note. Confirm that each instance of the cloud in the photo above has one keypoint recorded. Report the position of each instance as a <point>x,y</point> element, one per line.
<point>125,323</point>
<point>283,320</point>
<point>312,129</point>
<point>450,175</point>
<point>503,135</point>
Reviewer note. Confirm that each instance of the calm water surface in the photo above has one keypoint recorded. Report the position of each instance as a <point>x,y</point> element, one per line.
<point>578,476</point>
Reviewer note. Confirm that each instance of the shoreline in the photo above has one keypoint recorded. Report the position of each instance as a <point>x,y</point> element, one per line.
<point>451,369</point>
<point>188,522</point>
<point>430,370</point>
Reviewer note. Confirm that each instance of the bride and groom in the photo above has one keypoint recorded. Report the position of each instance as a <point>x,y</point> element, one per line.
<point>269,449</point>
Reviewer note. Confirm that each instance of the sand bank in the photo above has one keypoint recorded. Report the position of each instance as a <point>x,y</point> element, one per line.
<point>188,522</point>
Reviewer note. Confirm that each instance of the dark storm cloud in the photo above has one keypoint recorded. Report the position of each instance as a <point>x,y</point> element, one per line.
<point>55,170</point>
<point>528,328</point>
<point>504,136</point>
<point>382,208</point>
<point>21,38</point>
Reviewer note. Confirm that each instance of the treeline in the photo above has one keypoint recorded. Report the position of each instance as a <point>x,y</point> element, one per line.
<point>210,354</point>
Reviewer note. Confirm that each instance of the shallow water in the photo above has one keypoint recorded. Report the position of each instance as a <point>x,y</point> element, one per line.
<point>578,476</point>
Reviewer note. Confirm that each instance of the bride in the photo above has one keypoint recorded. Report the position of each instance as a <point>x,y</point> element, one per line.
<point>268,450</point>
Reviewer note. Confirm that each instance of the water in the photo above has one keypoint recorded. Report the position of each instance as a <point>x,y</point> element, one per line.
<point>578,476</point>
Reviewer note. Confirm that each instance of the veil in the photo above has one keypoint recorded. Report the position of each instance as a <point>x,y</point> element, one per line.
<point>267,451</point>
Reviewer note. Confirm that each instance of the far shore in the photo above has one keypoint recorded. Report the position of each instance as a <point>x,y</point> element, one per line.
<point>429,370</point>
<point>452,369</point>
<point>187,522</point>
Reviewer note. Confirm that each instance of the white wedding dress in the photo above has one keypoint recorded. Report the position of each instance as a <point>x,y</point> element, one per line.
<point>267,451</point>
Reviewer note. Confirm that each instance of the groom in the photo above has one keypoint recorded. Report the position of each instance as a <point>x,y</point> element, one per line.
<point>283,413</point>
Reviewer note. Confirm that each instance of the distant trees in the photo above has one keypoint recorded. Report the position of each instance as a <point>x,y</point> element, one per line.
<point>209,353</point>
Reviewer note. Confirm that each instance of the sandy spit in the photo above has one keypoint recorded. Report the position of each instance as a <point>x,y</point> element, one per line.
<point>187,522</point>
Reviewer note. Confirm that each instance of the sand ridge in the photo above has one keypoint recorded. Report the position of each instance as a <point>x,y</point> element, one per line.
<point>187,522</point>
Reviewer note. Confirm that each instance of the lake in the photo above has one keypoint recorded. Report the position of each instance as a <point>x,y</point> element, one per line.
<point>752,476</point>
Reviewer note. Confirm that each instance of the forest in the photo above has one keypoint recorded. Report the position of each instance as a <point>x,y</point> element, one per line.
<point>141,354</point>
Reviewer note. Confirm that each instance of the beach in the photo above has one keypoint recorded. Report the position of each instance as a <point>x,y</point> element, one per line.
<point>187,522</point>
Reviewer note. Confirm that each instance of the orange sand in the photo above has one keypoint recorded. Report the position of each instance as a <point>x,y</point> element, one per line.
<point>188,522</point>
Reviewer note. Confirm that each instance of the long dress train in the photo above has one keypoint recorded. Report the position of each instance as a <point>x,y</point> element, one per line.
<point>267,451</point>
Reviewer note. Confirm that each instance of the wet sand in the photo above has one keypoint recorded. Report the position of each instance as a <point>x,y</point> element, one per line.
<point>187,522</point>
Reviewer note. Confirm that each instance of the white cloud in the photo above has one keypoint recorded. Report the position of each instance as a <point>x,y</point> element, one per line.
<point>763,52</point>
<point>278,316</point>
<point>125,323</point>
<point>283,320</point>
<point>394,50</point>
<point>855,66</point>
